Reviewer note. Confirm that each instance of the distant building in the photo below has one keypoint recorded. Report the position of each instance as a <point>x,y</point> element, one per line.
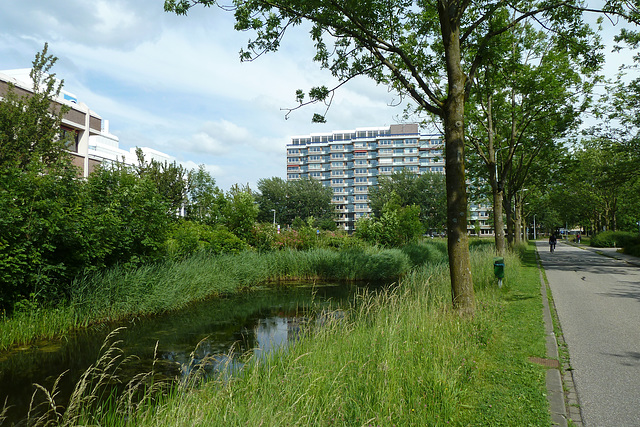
<point>351,161</point>
<point>91,141</point>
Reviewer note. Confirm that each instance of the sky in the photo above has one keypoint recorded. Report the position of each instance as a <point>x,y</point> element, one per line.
<point>176,84</point>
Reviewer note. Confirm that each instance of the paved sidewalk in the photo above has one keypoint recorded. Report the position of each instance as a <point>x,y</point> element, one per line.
<point>596,293</point>
<point>611,253</point>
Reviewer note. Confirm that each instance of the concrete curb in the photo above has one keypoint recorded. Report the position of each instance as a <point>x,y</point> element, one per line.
<point>555,391</point>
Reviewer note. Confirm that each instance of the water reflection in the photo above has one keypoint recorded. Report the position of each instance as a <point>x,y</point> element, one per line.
<point>206,335</point>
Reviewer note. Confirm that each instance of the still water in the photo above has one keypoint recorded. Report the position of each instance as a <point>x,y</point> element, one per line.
<point>219,330</point>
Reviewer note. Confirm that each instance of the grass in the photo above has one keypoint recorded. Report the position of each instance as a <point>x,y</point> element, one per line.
<point>119,293</point>
<point>400,357</point>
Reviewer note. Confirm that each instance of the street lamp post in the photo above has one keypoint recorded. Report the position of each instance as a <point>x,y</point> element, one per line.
<point>274,216</point>
<point>534,226</point>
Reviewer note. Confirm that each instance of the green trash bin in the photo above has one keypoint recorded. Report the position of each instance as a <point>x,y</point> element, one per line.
<point>498,269</point>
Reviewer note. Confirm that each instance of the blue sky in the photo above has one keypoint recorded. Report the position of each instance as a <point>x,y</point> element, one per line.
<point>176,84</point>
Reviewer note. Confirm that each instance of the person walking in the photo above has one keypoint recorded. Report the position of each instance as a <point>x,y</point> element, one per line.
<point>552,242</point>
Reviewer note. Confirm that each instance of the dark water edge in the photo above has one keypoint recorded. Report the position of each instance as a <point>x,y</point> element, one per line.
<point>171,345</point>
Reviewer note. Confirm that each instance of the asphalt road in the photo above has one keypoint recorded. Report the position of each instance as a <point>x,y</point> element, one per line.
<point>598,303</point>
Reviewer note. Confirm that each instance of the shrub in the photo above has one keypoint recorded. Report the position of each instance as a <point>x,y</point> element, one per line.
<point>613,239</point>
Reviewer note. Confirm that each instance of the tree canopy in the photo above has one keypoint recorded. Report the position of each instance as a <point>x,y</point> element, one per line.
<point>429,51</point>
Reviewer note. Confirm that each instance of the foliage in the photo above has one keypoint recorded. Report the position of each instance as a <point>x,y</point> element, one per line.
<point>170,180</point>
<point>30,135</point>
<point>240,212</point>
<point>205,201</point>
<point>40,199</point>
<point>127,217</point>
<point>398,225</point>
<point>614,239</point>
<point>426,191</point>
<point>301,199</point>
<point>188,237</point>
<point>41,241</point>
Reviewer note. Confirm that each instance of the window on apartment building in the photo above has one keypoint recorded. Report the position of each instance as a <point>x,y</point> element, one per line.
<point>337,156</point>
<point>385,142</point>
<point>361,179</point>
<point>337,181</point>
<point>398,151</point>
<point>385,169</point>
<point>293,151</point>
<point>293,176</point>
<point>315,158</point>
<point>72,139</point>
<point>315,149</point>
<point>337,164</point>
<point>315,175</point>
<point>338,190</point>
<point>410,141</point>
<point>413,169</point>
<point>361,188</point>
<point>410,150</point>
<point>360,154</point>
<point>411,159</point>
<point>361,197</point>
<point>360,162</point>
<point>361,171</point>
<point>337,146</point>
<point>337,173</point>
<point>386,151</point>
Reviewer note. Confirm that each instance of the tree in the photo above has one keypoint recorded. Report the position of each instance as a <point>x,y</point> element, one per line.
<point>272,199</point>
<point>417,49</point>
<point>40,197</point>
<point>524,103</point>
<point>300,199</point>
<point>170,180</point>
<point>205,201</point>
<point>30,125</point>
<point>426,191</point>
<point>240,212</point>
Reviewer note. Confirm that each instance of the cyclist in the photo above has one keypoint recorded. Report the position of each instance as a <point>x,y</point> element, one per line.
<point>552,242</point>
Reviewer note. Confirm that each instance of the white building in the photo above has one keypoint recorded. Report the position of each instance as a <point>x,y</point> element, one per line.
<point>92,143</point>
<point>351,161</point>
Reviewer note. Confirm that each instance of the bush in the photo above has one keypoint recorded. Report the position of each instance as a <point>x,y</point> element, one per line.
<point>189,237</point>
<point>613,239</point>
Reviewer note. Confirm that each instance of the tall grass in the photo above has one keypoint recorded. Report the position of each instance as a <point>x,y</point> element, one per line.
<point>400,357</point>
<point>120,293</point>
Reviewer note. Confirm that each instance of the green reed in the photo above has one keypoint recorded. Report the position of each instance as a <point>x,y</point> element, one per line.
<point>120,293</point>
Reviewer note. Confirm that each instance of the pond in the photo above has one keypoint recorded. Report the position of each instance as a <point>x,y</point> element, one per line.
<point>172,345</point>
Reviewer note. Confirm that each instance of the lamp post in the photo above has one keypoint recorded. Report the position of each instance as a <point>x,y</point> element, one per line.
<point>274,216</point>
<point>534,226</point>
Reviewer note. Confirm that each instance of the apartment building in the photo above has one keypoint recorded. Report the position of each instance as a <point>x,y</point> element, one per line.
<point>91,141</point>
<point>351,161</point>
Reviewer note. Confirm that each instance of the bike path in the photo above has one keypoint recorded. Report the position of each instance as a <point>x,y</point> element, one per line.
<point>597,299</point>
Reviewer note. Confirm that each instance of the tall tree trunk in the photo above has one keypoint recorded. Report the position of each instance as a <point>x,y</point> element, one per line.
<point>518,224</point>
<point>458,241</point>
<point>509,214</point>
<point>496,184</point>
